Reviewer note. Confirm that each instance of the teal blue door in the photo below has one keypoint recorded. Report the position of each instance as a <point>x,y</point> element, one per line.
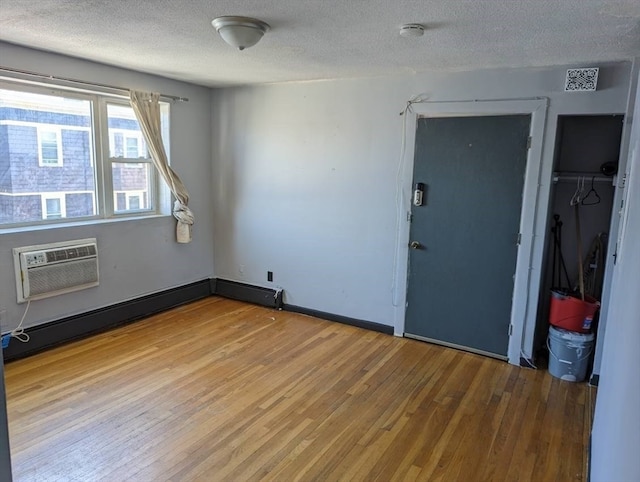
<point>462,256</point>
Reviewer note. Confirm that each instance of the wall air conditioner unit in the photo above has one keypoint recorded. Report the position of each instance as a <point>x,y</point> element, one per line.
<point>52,269</point>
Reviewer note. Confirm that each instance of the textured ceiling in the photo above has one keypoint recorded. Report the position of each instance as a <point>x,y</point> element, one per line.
<point>326,38</point>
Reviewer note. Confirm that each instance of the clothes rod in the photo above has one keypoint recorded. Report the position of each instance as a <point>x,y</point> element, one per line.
<point>122,90</point>
<point>557,177</point>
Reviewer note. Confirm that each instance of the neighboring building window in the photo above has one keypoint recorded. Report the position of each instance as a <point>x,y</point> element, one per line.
<point>127,144</point>
<point>134,201</point>
<point>130,201</point>
<point>53,206</point>
<point>49,147</point>
<point>133,151</point>
<point>41,128</point>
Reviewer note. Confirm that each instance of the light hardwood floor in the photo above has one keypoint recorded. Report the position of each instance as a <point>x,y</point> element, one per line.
<point>222,390</point>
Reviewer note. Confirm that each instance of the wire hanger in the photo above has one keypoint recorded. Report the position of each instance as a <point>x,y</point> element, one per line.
<point>592,196</point>
<point>577,196</point>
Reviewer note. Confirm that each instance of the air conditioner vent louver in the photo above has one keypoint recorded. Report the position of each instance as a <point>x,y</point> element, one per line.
<point>53,269</point>
<point>72,273</point>
<point>70,253</point>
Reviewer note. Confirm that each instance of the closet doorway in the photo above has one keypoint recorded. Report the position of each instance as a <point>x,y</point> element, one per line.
<point>585,169</point>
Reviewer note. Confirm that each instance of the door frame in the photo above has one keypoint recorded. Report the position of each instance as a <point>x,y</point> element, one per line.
<point>537,109</point>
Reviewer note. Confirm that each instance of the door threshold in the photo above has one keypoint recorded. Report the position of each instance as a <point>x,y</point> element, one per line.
<point>457,347</point>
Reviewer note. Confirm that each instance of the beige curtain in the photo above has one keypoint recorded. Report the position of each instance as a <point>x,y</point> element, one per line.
<point>147,110</point>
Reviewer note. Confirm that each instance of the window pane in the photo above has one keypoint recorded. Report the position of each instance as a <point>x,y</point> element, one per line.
<point>126,139</point>
<point>49,147</point>
<point>134,202</point>
<point>53,206</point>
<point>132,147</point>
<point>131,183</point>
<point>34,130</point>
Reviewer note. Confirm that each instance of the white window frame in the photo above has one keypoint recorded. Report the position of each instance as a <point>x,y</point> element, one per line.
<point>57,131</point>
<point>153,200</point>
<point>158,196</point>
<point>60,196</point>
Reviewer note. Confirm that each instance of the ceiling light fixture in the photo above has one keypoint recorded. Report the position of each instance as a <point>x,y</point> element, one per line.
<point>240,32</point>
<point>412,30</point>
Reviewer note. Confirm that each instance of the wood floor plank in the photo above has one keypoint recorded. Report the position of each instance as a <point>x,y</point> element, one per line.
<point>220,390</point>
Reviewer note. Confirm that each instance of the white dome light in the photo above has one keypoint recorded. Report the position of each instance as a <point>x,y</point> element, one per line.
<point>240,32</point>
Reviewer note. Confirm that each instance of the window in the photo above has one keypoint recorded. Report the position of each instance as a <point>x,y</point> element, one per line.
<point>132,148</point>
<point>49,146</point>
<point>132,169</point>
<point>133,201</point>
<point>53,206</point>
<point>69,155</point>
<point>127,144</point>
<point>130,201</point>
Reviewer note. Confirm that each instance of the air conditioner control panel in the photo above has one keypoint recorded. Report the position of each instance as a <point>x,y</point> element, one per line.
<point>34,259</point>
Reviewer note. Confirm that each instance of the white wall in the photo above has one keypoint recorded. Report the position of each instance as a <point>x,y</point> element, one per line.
<point>615,221</point>
<point>616,430</point>
<point>305,179</point>
<point>136,257</point>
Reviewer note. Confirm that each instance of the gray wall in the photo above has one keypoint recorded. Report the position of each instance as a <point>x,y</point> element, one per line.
<point>616,429</point>
<point>305,179</point>
<point>137,257</point>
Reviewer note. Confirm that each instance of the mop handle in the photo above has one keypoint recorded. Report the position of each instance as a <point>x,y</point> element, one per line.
<point>579,239</point>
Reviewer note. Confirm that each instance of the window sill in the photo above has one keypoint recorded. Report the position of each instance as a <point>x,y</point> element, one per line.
<point>76,224</point>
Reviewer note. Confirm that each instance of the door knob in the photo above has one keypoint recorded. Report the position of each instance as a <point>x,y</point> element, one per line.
<point>415,245</point>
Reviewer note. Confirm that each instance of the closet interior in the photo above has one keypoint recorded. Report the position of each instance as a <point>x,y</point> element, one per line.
<point>585,174</point>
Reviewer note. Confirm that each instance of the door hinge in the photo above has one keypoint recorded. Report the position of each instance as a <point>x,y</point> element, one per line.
<point>529,142</point>
<point>409,216</point>
<point>510,330</point>
<point>519,239</point>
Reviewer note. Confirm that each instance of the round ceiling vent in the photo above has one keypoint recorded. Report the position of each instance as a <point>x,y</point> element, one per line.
<point>412,30</point>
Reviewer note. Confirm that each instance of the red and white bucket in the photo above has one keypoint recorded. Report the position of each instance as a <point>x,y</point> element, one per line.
<point>572,313</point>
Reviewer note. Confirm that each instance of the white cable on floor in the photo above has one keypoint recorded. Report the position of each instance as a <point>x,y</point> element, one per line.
<point>529,361</point>
<point>19,332</point>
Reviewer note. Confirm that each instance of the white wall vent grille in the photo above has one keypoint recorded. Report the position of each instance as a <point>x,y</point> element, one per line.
<point>581,80</point>
<point>52,269</point>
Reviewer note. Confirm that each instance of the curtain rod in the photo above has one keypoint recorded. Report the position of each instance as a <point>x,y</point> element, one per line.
<point>26,73</point>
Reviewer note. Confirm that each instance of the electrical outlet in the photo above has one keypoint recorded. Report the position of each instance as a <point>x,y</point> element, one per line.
<point>269,275</point>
